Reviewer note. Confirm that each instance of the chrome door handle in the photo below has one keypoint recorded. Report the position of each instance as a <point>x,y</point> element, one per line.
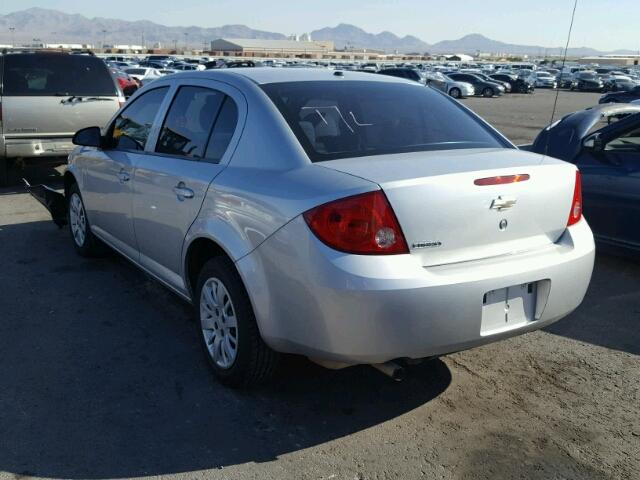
<point>182,191</point>
<point>123,176</point>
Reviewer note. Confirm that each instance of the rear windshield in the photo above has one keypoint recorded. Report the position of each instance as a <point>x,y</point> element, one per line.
<point>334,119</point>
<point>54,74</point>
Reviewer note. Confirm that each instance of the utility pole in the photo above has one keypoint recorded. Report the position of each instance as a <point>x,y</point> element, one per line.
<point>104,34</point>
<point>186,40</point>
<point>13,40</point>
<point>175,45</point>
<point>142,38</point>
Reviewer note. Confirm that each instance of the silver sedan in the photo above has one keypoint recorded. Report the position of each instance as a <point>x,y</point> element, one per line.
<point>347,217</point>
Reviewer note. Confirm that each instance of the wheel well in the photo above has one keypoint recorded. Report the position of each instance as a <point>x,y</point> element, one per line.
<point>200,251</point>
<point>69,180</point>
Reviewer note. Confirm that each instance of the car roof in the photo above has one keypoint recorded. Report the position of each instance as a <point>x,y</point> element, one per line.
<point>264,75</point>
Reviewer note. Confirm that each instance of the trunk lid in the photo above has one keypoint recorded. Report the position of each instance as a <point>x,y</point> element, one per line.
<point>447,218</point>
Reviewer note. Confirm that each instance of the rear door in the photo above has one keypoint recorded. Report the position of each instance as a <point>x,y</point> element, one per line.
<point>52,95</point>
<point>170,183</point>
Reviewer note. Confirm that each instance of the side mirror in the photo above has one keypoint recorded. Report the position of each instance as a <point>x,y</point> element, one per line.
<point>594,143</point>
<point>88,137</point>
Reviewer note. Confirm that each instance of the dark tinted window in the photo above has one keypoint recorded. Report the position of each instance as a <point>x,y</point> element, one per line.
<point>358,118</point>
<point>56,74</point>
<point>131,128</point>
<point>222,131</point>
<point>392,72</point>
<point>189,121</point>
<point>462,77</point>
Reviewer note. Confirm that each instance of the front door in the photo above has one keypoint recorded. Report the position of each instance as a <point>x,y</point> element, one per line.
<point>171,183</point>
<point>611,183</point>
<point>108,172</point>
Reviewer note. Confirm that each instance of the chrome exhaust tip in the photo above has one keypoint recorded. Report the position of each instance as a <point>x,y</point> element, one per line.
<point>391,370</point>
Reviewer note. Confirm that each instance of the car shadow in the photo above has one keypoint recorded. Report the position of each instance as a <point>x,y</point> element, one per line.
<point>610,312</point>
<point>49,174</point>
<point>102,376</point>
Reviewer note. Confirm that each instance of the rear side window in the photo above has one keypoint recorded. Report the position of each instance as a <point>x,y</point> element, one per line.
<point>131,128</point>
<point>56,75</point>
<point>345,119</point>
<point>189,121</point>
<point>222,131</point>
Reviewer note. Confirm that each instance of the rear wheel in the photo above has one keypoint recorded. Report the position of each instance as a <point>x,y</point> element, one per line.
<point>455,92</point>
<point>229,332</point>
<point>84,241</point>
<point>488,92</point>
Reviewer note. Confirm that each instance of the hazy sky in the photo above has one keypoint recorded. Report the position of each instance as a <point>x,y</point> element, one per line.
<point>541,22</point>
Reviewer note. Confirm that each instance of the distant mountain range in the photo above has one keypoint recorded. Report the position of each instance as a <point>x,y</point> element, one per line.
<point>52,26</point>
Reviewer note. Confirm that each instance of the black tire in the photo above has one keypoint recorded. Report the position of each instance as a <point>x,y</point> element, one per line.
<point>87,245</point>
<point>455,92</point>
<point>254,362</point>
<point>488,92</point>
<point>4,172</point>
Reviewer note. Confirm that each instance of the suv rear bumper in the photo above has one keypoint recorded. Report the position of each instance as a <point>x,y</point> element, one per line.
<point>37,147</point>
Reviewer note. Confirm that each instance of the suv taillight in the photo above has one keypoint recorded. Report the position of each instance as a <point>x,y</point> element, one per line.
<point>576,204</point>
<point>363,224</point>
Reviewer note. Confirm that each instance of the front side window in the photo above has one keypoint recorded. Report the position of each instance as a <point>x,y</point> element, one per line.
<point>186,129</point>
<point>627,142</point>
<point>360,118</point>
<point>131,128</point>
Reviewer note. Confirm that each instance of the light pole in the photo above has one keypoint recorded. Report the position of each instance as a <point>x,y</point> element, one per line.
<point>13,40</point>
<point>186,40</point>
<point>104,34</point>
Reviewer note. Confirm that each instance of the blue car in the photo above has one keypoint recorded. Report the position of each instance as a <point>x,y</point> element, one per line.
<point>604,143</point>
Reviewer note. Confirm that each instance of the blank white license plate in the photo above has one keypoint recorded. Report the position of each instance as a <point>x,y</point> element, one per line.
<point>508,308</point>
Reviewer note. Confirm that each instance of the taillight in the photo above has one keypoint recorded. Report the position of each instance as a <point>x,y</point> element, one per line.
<point>576,204</point>
<point>363,224</point>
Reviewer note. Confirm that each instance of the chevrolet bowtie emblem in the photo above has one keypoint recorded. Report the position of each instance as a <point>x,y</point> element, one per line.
<point>503,203</point>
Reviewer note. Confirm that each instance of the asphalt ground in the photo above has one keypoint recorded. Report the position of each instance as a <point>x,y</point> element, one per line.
<point>101,376</point>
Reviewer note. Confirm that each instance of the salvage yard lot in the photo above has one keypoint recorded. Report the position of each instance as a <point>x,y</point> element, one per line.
<point>102,376</point>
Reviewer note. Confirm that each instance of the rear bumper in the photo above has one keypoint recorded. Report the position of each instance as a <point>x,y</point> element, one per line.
<point>37,147</point>
<point>313,301</point>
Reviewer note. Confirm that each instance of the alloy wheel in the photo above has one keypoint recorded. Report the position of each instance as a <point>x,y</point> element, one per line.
<point>77,219</point>
<point>218,323</point>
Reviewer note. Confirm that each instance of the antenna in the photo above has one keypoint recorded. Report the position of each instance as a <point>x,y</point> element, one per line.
<point>564,60</point>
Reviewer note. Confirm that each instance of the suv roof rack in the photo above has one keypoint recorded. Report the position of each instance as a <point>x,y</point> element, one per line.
<point>72,51</point>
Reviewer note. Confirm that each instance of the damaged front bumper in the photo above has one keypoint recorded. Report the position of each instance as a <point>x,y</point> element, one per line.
<point>50,199</point>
